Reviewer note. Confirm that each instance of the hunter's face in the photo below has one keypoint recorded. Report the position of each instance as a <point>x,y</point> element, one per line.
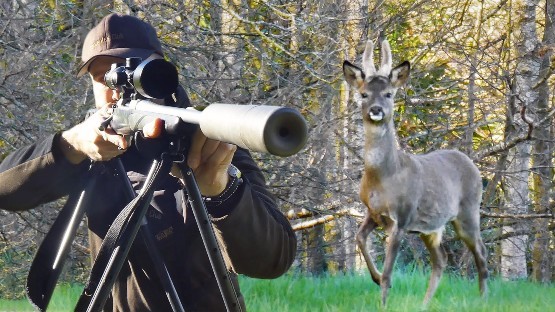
<point>102,94</point>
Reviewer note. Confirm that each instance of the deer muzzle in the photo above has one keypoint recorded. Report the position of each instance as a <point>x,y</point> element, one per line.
<point>376,113</point>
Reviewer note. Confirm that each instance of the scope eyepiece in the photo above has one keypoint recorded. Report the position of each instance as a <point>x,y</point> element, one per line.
<point>116,77</point>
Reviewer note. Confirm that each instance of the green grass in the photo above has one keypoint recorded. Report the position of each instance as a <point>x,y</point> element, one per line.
<point>359,293</point>
<point>64,299</point>
<point>356,292</point>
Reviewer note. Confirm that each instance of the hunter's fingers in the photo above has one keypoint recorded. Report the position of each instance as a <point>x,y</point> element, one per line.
<point>154,128</point>
<point>110,136</point>
<point>195,151</point>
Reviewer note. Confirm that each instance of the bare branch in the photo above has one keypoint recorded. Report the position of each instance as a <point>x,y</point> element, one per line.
<point>515,216</point>
<point>503,146</point>
<point>327,218</point>
<point>525,231</point>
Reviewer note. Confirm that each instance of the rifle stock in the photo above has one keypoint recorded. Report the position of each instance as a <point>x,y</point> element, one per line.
<point>280,131</point>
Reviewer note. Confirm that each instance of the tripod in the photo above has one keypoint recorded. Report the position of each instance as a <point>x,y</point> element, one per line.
<point>117,242</point>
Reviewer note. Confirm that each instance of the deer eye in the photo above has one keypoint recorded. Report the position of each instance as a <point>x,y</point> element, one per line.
<point>388,95</point>
<point>364,95</point>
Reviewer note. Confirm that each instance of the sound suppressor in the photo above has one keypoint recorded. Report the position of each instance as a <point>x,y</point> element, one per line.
<point>280,131</point>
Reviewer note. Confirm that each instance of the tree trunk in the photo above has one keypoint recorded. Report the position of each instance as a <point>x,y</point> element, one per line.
<point>517,197</point>
<point>513,249</point>
<point>542,255</point>
<point>351,36</point>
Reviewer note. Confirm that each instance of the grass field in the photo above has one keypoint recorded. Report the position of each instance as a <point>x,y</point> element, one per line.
<point>356,292</point>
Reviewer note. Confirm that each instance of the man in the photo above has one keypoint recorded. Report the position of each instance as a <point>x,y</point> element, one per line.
<point>257,239</point>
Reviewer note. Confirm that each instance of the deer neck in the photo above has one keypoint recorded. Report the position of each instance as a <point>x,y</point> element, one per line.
<point>381,154</point>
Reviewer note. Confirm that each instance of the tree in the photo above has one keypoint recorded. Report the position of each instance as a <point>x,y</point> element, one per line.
<point>542,257</point>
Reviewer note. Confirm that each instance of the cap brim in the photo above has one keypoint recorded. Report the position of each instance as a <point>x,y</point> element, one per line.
<point>118,52</point>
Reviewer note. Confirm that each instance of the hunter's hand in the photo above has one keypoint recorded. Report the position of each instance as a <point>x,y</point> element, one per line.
<point>209,159</point>
<point>85,140</point>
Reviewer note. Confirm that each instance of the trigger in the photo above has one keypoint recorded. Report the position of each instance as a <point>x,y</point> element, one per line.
<point>110,112</point>
<point>104,125</point>
<point>128,139</point>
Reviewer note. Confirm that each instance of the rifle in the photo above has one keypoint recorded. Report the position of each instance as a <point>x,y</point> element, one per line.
<point>280,131</point>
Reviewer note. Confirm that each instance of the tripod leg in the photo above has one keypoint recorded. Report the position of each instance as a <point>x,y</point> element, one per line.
<point>229,294</point>
<point>117,242</point>
<point>145,233</point>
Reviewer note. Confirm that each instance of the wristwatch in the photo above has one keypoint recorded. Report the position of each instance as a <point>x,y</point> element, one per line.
<point>232,186</point>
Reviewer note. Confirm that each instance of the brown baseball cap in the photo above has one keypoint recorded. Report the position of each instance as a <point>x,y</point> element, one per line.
<point>119,36</point>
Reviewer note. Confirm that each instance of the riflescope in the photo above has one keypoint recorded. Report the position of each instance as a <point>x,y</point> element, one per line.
<point>152,78</point>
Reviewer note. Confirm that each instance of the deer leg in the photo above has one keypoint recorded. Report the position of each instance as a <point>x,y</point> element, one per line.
<point>438,258</point>
<point>362,235</point>
<point>470,234</point>
<point>393,246</point>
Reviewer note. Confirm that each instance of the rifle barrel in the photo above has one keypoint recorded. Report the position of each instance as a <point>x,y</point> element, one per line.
<point>280,131</point>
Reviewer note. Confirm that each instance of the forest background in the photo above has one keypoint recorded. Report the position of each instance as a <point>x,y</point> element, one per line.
<point>482,82</point>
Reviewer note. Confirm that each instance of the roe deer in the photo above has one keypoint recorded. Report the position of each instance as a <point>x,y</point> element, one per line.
<point>407,193</point>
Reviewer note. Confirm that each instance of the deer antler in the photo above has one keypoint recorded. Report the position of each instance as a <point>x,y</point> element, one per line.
<point>387,60</point>
<point>368,59</point>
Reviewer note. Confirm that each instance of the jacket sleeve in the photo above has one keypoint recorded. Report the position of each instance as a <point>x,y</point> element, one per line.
<point>256,236</point>
<point>37,174</point>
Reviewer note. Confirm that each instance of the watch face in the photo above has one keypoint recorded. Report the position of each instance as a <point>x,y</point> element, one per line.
<point>234,172</point>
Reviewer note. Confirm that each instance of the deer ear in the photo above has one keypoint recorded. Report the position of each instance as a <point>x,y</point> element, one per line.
<point>400,74</point>
<point>353,74</point>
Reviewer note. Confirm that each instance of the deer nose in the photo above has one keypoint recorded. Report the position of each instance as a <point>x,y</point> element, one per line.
<point>376,113</point>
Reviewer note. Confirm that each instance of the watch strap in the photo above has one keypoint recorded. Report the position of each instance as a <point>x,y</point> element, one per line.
<point>235,181</point>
